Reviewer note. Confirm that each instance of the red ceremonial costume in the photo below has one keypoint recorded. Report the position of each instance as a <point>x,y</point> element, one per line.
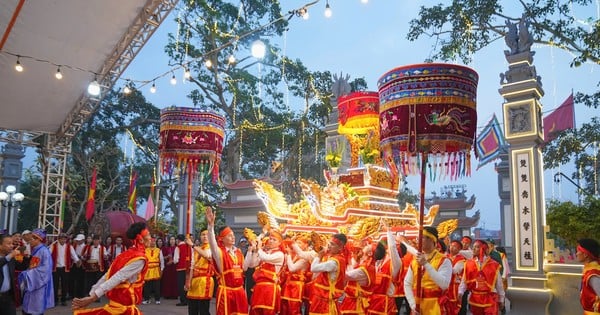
<point>124,297</point>
<point>292,291</point>
<point>380,302</point>
<point>231,295</point>
<point>431,292</point>
<point>356,300</point>
<point>399,281</point>
<point>93,265</point>
<point>453,305</point>
<point>588,298</point>
<point>481,279</point>
<point>67,256</point>
<point>267,299</point>
<point>168,282</point>
<point>324,293</point>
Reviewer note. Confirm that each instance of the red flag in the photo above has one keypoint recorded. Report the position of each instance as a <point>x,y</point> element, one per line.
<point>150,205</point>
<point>132,201</point>
<point>89,210</point>
<point>560,119</point>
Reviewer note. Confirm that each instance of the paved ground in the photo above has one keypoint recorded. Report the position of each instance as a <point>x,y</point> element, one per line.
<point>167,307</point>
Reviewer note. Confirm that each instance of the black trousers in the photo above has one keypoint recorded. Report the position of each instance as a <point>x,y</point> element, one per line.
<point>464,305</point>
<point>152,287</point>
<point>402,301</point>
<point>61,277</point>
<point>198,307</point>
<point>90,279</point>
<point>7,304</point>
<point>77,283</point>
<point>180,284</point>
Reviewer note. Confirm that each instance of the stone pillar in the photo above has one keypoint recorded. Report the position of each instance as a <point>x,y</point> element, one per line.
<point>182,204</point>
<point>521,89</point>
<point>506,212</point>
<point>12,167</point>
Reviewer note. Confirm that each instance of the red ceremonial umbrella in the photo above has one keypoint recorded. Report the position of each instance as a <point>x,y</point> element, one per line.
<point>191,142</point>
<point>428,111</point>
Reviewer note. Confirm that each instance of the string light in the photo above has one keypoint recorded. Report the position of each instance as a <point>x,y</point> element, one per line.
<point>18,65</point>
<point>208,63</point>
<point>153,87</point>
<point>258,49</point>
<point>231,59</point>
<point>58,75</point>
<point>328,12</point>
<point>94,88</point>
<point>126,90</point>
<point>364,1</point>
<point>173,80</point>
<point>187,75</point>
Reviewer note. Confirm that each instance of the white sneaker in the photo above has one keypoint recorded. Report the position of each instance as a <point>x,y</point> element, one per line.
<point>157,302</point>
<point>146,302</point>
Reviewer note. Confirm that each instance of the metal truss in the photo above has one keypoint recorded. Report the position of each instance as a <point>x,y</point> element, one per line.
<point>56,147</point>
<point>124,52</point>
<point>54,163</point>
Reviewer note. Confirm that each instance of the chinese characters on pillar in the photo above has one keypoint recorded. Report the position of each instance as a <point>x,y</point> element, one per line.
<point>525,217</point>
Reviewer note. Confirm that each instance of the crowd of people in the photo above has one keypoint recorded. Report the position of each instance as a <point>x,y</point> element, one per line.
<point>271,274</point>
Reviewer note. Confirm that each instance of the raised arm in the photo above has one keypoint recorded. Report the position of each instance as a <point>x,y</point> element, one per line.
<point>212,240</point>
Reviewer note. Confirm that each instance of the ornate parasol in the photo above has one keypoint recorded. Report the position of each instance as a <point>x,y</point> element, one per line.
<point>191,142</point>
<point>428,110</point>
<point>358,117</point>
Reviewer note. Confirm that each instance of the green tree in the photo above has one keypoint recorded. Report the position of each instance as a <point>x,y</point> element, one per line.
<point>262,125</point>
<point>572,222</point>
<point>98,145</point>
<point>462,28</point>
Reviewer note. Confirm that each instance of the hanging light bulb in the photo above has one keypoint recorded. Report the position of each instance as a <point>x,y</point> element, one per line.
<point>231,59</point>
<point>187,74</point>
<point>126,90</point>
<point>173,79</point>
<point>58,74</point>
<point>364,1</point>
<point>18,65</point>
<point>208,63</point>
<point>94,88</point>
<point>328,12</point>
<point>305,15</point>
<point>153,87</point>
<point>258,49</point>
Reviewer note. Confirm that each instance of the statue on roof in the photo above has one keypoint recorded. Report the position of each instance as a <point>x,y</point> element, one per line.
<point>340,85</point>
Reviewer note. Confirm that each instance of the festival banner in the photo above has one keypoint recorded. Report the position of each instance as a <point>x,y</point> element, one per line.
<point>489,142</point>
<point>131,204</point>
<point>562,118</point>
<point>91,201</point>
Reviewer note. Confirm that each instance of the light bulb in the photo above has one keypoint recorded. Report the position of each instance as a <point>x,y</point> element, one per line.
<point>58,74</point>
<point>173,80</point>
<point>94,88</point>
<point>153,88</point>
<point>328,12</point>
<point>11,189</point>
<point>305,15</point>
<point>364,1</point>
<point>231,59</point>
<point>208,63</point>
<point>258,49</point>
<point>18,65</point>
<point>126,90</point>
<point>187,74</point>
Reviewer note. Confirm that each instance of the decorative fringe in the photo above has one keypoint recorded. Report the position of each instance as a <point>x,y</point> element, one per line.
<point>441,166</point>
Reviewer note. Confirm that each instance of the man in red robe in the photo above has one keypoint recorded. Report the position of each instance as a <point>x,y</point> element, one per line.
<point>458,263</point>
<point>588,252</point>
<point>229,263</point>
<point>63,257</point>
<point>296,275</point>
<point>482,277</point>
<point>123,282</point>
<point>268,262</point>
<point>328,286</point>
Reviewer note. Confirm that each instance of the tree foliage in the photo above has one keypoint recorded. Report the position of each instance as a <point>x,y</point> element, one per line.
<point>263,126</point>
<point>572,222</point>
<point>462,28</point>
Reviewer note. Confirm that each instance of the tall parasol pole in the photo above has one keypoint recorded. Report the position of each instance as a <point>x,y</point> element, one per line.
<point>428,109</point>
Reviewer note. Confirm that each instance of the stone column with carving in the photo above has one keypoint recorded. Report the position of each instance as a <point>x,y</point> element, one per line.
<point>521,89</point>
